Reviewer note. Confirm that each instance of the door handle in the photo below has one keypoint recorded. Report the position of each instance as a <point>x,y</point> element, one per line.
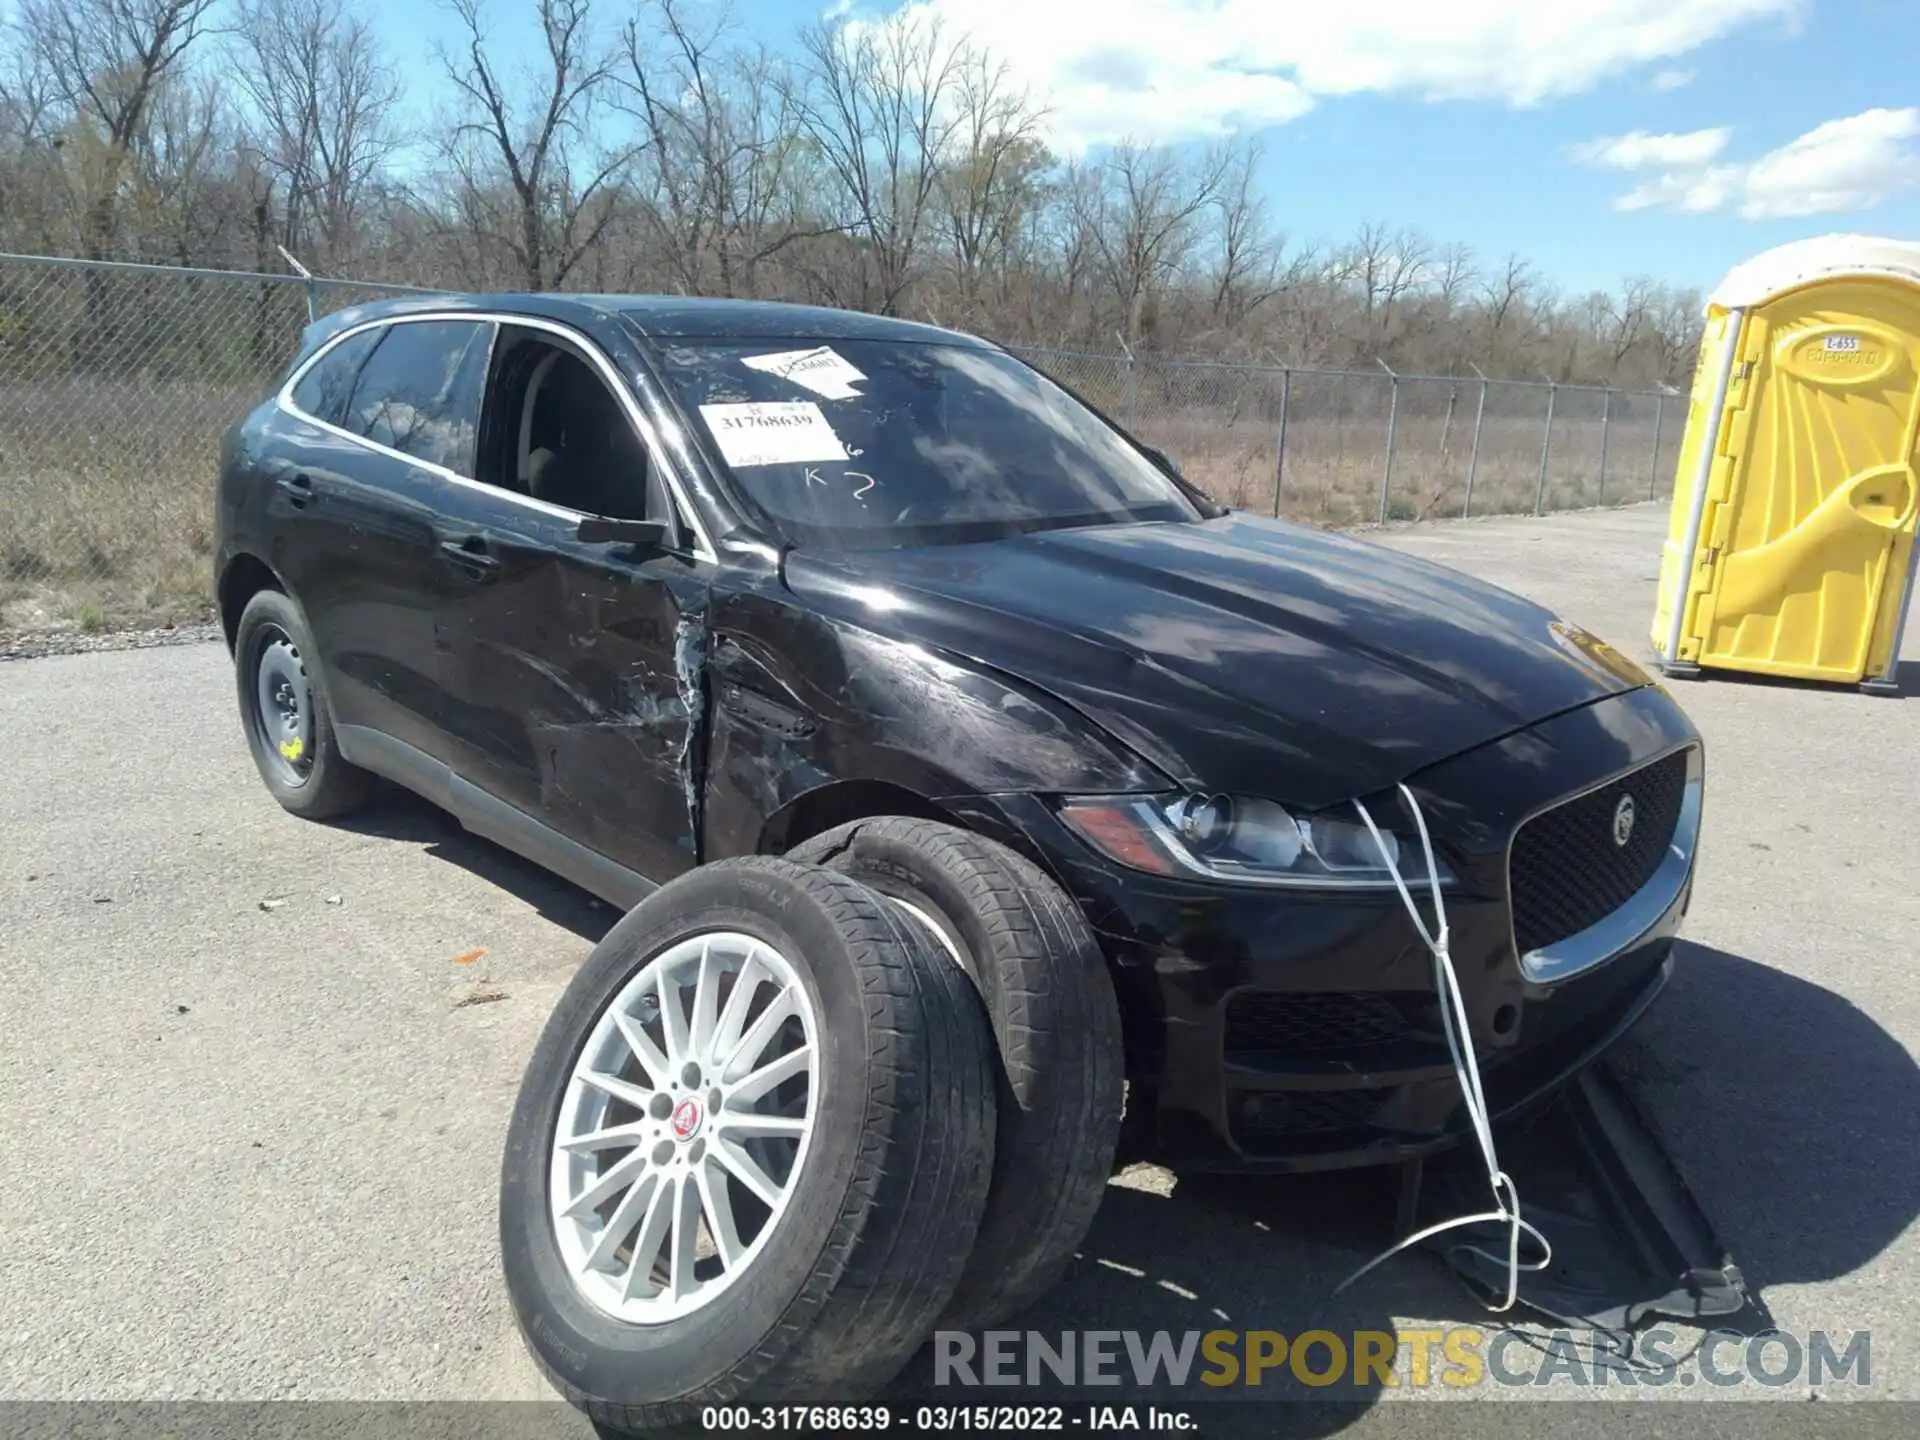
<point>297,487</point>
<point>470,555</point>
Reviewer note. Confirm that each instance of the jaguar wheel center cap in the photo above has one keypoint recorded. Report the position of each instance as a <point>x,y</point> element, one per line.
<point>686,1119</point>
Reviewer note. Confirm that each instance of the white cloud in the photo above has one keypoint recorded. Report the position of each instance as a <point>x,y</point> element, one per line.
<point>1173,69</point>
<point>1696,193</point>
<point>1850,164</point>
<point>1845,165</point>
<point>1673,79</point>
<point>1639,150</point>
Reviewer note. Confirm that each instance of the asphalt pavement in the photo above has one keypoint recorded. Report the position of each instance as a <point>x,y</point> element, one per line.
<point>256,1072</point>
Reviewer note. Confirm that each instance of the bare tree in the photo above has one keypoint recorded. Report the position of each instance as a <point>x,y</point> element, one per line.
<point>990,180</point>
<point>1143,216</point>
<point>523,174</point>
<point>1675,325</point>
<point>1246,269</point>
<point>324,98</point>
<point>107,59</point>
<point>722,144</point>
<point>30,180</point>
<point>1385,266</point>
<point>26,98</point>
<point>881,164</point>
<point>1504,294</point>
<point>1622,320</point>
<point>872,99</point>
<point>1452,274</point>
<point>179,198</point>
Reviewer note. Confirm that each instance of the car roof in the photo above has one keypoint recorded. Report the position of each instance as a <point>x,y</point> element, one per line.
<point>684,316</point>
<point>659,317</point>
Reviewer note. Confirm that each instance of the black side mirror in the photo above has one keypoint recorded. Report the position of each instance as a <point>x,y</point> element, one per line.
<point>602,529</point>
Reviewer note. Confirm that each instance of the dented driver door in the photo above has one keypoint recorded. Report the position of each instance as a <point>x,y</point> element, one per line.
<point>575,679</point>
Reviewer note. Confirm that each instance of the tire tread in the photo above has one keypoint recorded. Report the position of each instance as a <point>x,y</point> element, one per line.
<point>1056,1021</point>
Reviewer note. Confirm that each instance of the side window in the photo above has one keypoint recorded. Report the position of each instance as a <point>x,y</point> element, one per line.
<point>324,390</point>
<point>419,392</point>
<point>578,448</point>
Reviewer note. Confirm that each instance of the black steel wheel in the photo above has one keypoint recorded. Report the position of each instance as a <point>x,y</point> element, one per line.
<point>284,711</point>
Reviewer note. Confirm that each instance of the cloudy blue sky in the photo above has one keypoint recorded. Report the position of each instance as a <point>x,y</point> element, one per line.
<point>1599,138</point>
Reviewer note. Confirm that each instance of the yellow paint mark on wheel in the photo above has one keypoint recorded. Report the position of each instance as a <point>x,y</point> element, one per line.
<point>293,749</point>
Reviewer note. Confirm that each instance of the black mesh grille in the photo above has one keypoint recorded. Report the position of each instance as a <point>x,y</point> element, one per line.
<point>1567,870</point>
<point>1295,1024</point>
<point>1269,1118</point>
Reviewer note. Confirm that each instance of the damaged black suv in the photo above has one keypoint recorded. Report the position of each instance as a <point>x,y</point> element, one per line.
<point>632,585</point>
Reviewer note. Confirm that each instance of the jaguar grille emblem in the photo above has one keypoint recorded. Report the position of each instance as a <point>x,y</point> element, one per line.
<point>1623,821</point>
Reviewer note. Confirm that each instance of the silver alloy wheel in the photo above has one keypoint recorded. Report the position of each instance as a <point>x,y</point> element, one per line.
<point>684,1127</point>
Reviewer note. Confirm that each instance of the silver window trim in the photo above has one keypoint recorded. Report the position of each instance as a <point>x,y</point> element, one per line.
<point>1641,913</point>
<point>703,548</point>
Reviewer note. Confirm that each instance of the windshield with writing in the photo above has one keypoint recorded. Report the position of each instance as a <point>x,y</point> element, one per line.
<point>878,444</point>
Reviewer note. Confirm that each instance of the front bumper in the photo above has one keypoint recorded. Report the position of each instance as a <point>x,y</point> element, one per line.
<point>1281,1030</point>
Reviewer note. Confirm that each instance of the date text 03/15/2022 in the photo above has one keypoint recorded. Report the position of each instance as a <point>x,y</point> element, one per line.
<point>943,1419</point>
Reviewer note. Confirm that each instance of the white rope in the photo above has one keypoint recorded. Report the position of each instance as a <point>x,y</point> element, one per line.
<point>1466,1066</point>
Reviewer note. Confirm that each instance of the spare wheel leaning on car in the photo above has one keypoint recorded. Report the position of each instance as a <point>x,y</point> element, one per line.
<point>750,1152</point>
<point>1056,1021</point>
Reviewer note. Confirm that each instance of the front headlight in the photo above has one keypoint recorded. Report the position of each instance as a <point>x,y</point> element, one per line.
<point>1247,842</point>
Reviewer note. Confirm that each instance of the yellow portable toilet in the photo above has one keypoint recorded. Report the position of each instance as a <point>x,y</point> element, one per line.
<point>1790,545</point>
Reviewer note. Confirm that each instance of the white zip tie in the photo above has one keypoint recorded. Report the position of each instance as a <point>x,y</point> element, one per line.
<point>1466,1068</point>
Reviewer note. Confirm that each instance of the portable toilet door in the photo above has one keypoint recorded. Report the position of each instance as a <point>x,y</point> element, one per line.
<point>1790,547</point>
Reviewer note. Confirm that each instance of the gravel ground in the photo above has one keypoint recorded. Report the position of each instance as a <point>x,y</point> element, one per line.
<point>39,644</point>
<point>259,1083</point>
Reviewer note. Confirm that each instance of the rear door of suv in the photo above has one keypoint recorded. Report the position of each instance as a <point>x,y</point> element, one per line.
<point>378,442</point>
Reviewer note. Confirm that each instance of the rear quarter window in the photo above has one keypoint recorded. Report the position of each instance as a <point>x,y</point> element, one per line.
<point>323,392</point>
<point>419,392</point>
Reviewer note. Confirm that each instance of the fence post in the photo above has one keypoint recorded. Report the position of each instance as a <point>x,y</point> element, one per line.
<point>1393,420</point>
<point>1280,459</point>
<point>1473,458</point>
<point>1546,448</point>
<point>305,274</point>
<point>1130,388</point>
<point>1653,465</point>
<point>1606,419</point>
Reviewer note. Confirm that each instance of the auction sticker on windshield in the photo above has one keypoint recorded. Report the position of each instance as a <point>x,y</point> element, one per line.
<point>823,370</point>
<point>773,433</point>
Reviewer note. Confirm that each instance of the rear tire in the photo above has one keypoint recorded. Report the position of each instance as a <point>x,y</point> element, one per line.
<point>1039,968</point>
<point>845,1273</point>
<point>284,710</point>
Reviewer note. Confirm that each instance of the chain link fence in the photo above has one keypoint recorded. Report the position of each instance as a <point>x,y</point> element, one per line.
<point>1350,447</point>
<point>117,382</point>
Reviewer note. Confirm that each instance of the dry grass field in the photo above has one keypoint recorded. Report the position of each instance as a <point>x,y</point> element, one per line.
<point>107,516</point>
<point>1333,472</point>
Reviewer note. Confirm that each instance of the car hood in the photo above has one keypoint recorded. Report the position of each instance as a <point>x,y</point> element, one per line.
<point>1238,654</point>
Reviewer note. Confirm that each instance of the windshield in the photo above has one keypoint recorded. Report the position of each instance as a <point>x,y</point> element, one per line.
<point>878,444</point>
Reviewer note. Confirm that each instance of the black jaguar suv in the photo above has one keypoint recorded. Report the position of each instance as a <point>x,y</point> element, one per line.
<point>633,585</point>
